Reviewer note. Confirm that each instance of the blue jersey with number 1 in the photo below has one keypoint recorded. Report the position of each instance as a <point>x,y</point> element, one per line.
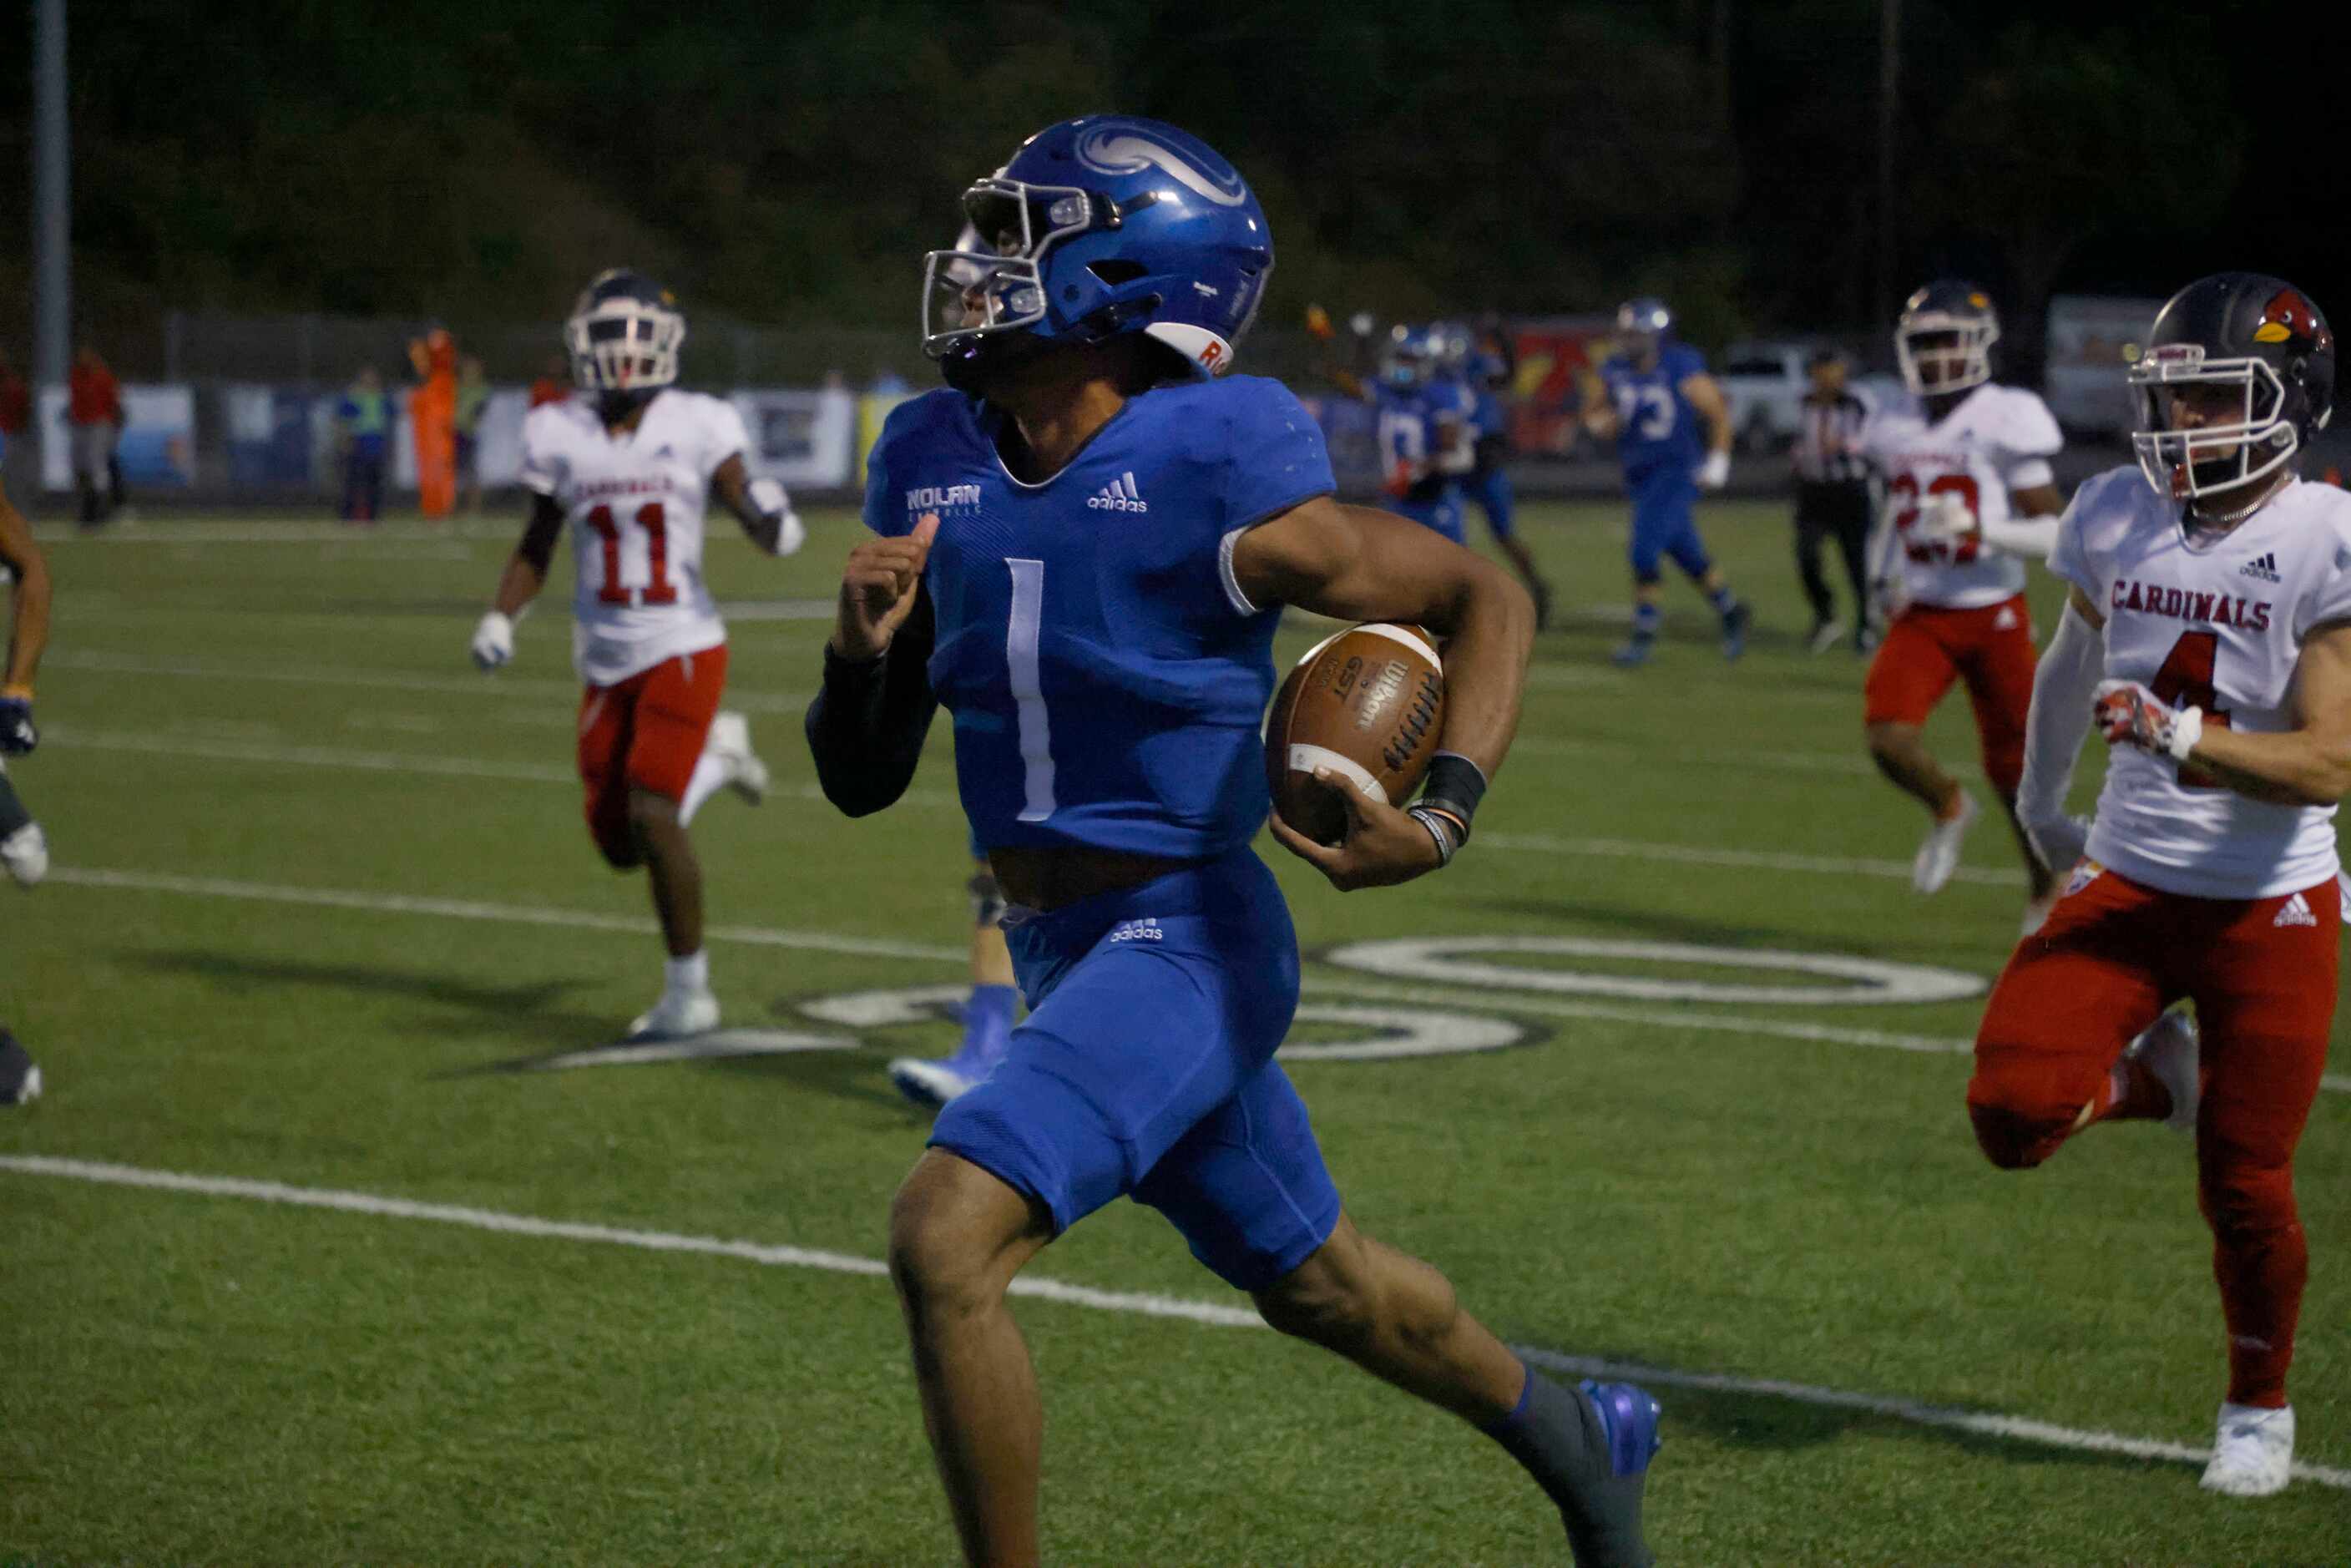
<point>1106,675</point>
<point>1657,428</point>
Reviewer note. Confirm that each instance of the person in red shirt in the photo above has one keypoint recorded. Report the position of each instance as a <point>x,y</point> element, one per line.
<point>15,418</point>
<point>554,383</point>
<point>94,409</point>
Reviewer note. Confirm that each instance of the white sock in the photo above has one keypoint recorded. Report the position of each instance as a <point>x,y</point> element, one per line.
<point>710,772</point>
<point>691,973</point>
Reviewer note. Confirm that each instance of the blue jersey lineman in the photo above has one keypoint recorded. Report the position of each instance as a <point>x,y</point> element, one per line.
<point>1424,431</point>
<point>1082,546</point>
<point>1672,431</point>
<point>1481,362</point>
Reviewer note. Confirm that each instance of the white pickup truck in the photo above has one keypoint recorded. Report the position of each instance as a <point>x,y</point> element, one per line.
<point>1765,383</point>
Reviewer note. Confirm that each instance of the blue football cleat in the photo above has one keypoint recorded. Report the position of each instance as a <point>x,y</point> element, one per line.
<point>1629,1414</point>
<point>1633,654</point>
<point>988,1031</point>
<point>1734,629</point>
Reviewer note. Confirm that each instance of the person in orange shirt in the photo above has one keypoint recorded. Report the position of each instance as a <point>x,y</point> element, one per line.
<point>432,409</point>
<point>94,409</point>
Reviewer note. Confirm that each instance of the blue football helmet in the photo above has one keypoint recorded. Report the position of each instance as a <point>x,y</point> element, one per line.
<point>1100,226</point>
<point>1642,324</point>
<point>1413,356</point>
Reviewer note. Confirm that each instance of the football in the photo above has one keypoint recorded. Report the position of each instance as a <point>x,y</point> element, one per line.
<point>1367,703</point>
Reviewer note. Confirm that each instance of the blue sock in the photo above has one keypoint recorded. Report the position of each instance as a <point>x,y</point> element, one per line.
<point>988,1019</point>
<point>1723,601</point>
<point>1646,619</point>
<point>1504,1426</point>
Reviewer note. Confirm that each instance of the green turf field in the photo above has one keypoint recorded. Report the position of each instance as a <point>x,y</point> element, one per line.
<point>316,882</point>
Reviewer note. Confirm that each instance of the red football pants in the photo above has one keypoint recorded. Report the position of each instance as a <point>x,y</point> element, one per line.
<point>1990,649</point>
<point>645,733</point>
<point>2262,974</point>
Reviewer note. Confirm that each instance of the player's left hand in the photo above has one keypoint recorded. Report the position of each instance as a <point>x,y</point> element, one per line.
<point>1382,846</point>
<point>2127,712</point>
<point>17,735</point>
<point>1715,472</point>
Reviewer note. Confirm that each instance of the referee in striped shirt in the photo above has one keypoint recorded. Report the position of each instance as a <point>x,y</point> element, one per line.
<point>1832,498</point>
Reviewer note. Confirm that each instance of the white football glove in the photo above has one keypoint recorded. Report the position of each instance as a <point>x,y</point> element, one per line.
<point>1945,519</point>
<point>493,642</point>
<point>1715,472</point>
<point>769,496</point>
<point>2060,840</point>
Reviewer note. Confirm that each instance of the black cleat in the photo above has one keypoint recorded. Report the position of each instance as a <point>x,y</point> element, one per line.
<point>20,1075</point>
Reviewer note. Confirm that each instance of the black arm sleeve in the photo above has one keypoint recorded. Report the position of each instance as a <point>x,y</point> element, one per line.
<point>866,726</point>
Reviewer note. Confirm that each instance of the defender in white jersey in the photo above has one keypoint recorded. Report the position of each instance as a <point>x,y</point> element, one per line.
<point>632,465</point>
<point>1969,495</point>
<point>2209,639</point>
<point>24,851</point>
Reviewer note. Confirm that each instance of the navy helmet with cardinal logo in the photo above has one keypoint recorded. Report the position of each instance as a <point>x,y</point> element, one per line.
<point>1100,226</point>
<point>2256,335</point>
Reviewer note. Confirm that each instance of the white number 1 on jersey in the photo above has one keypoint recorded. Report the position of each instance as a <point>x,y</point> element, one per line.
<point>1020,655</point>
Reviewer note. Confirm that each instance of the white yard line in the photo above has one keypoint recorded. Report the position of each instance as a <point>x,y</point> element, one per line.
<point>1664,1019</point>
<point>502,684</point>
<point>1709,854</point>
<point>502,914</point>
<point>1218,1314</point>
<point>210,747</point>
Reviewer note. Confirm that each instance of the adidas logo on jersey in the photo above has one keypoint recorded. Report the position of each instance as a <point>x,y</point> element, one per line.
<point>1143,930</point>
<point>1119,495</point>
<point>2263,566</point>
<point>2296,912</point>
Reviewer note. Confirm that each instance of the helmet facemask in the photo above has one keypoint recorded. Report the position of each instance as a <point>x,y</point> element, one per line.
<point>628,347</point>
<point>1941,352</point>
<point>1406,362</point>
<point>993,282</point>
<point>2200,461</point>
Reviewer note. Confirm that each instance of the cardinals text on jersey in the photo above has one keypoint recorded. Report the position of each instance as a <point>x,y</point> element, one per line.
<point>636,503</point>
<point>2216,623</point>
<point>1998,441</point>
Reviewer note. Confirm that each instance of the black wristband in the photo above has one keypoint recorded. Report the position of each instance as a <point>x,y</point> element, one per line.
<point>837,662</point>
<point>1455,787</point>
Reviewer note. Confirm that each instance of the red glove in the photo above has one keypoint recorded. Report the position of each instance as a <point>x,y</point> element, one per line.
<point>2125,711</point>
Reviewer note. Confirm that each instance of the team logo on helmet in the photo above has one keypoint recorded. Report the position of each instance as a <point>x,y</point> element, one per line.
<point>1125,150</point>
<point>2289,315</point>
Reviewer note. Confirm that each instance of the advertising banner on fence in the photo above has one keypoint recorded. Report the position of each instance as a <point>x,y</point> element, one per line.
<point>158,446</point>
<point>800,438</point>
<point>270,440</point>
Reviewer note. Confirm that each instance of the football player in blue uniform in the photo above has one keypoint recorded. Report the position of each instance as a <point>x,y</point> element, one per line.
<point>1085,541</point>
<point>1672,430</point>
<point>23,851</point>
<point>1424,430</point>
<point>1482,363</point>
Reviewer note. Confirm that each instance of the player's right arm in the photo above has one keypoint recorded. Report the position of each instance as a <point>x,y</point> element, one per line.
<point>2063,683</point>
<point>1598,412</point>
<point>544,468</point>
<point>1356,563</point>
<point>866,726</point>
<point>28,628</point>
<point>519,584</point>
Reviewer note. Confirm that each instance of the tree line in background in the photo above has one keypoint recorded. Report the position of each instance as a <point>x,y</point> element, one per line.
<point>789,164</point>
